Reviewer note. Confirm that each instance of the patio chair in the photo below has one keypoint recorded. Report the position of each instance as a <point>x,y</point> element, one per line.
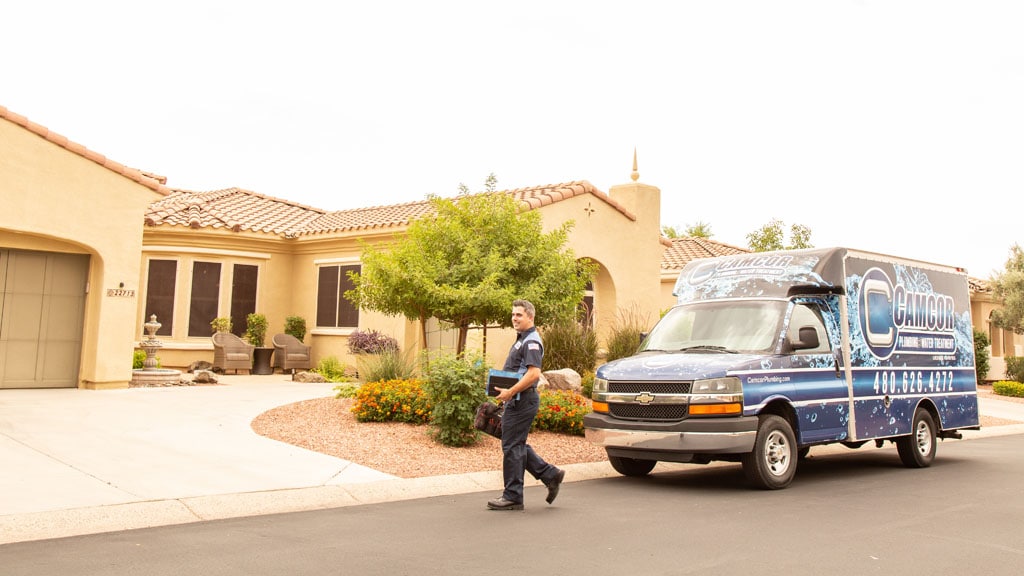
<point>290,353</point>
<point>231,352</point>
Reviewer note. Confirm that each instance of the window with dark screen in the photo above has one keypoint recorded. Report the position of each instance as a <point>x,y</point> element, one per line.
<point>333,310</point>
<point>204,298</point>
<point>243,296</point>
<point>160,294</point>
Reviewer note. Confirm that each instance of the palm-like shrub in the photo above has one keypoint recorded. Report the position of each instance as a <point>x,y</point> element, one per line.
<point>569,344</point>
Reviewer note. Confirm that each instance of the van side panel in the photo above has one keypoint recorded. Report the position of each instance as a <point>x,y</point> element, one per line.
<point>911,343</point>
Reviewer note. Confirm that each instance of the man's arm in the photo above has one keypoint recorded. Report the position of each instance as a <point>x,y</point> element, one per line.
<point>529,379</point>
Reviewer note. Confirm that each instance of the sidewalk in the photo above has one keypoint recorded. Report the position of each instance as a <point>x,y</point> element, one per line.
<point>81,462</point>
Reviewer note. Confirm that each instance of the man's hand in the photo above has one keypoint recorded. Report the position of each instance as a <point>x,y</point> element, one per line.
<point>504,394</point>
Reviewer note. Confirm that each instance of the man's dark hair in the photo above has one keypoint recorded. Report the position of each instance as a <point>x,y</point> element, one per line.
<point>527,307</point>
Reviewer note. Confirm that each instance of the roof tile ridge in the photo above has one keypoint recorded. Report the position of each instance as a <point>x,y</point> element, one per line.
<point>279,200</point>
<point>379,207</point>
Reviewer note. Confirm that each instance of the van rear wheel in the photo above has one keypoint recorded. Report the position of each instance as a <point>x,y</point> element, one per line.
<point>772,463</point>
<point>918,449</point>
<point>631,466</point>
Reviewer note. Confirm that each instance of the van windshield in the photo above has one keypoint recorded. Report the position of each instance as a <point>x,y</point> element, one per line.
<point>747,326</point>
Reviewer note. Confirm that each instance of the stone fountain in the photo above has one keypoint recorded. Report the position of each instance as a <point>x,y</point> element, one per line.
<point>149,374</point>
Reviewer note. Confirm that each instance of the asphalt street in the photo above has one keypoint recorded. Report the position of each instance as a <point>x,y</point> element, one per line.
<point>853,512</point>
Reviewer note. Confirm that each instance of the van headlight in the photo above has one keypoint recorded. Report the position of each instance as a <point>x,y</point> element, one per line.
<point>600,385</point>
<point>716,397</point>
<point>730,385</point>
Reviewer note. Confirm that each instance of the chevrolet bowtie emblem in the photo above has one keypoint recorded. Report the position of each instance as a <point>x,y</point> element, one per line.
<point>644,398</point>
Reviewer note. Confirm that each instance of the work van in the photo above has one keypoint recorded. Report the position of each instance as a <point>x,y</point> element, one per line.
<point>768,354</point>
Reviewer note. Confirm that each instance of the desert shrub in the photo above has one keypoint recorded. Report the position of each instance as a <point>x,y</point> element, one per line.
<point>333,370</point>
<point>295,326</point>
<point>570,344</point>
<point>561,411</point>
<point>625,335</point>
<point>220,324</point>
<point>390,364</point>
<point>370,342</point>
<point>139,360</point>
<point>1015,368</point>
<point>981,364</point>
<point>587,384</point>
<point>392,401</point>
<point>1008,388</point>
<point>346,390</point>
<point>455,387</point>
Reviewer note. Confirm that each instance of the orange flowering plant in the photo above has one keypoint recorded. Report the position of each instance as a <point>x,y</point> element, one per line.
<point>561,411</point>
<point>392,401</point>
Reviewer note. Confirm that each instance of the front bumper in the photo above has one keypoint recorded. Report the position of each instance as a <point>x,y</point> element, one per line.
<point>733,435</point>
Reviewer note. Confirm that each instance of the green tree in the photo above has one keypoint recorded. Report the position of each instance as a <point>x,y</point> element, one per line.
<point>699,229</point>
<point>1008,289</point>
<point>467,263</point>
<point>772,236</point>
<point>981,357</point>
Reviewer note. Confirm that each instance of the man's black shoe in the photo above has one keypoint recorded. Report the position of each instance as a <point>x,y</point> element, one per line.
<point>502,504</point>
<point>554,485</point>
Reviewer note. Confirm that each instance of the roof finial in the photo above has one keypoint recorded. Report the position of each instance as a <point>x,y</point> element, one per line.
<point>635,175</point>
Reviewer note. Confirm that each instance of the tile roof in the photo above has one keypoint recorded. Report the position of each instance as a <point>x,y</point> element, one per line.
<point>687,248</point>
<point>398,215</point>
<point>148,180</point>
<point>979,286</point>
<point>237,209</point>
<point>232,208</point>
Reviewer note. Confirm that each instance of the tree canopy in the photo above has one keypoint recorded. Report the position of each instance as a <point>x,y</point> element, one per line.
<point>1008,288</point>
<point>771,237</point>
<point>465,265</point>
<point>699,229</point>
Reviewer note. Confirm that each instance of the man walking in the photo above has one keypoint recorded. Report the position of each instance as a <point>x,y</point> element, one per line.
<point>521,404</point>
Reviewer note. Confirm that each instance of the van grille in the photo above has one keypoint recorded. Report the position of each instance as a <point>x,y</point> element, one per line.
<point>652,387</point>
<point>652,412</point>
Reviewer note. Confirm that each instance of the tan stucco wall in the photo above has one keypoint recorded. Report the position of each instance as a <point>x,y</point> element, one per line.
<point>56,200</point>
<point>271,254</point>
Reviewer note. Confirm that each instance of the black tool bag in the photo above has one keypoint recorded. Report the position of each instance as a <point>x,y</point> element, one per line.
<point>488,418</point>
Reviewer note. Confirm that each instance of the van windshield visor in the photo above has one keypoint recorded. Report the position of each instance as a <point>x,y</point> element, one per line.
<point>750,326</point>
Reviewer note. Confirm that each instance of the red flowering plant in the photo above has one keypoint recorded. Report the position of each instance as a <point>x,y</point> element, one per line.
<point>392,401</point>
<point>561,411</point>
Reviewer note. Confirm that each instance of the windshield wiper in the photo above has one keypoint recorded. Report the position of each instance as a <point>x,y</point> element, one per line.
<point>722,349</point>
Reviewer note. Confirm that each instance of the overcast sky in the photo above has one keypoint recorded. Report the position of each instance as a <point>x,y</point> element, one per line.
<point>886,125</point>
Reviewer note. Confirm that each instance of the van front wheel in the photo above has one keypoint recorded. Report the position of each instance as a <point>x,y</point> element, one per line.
<point>918,449</point>
<point>772,464</point>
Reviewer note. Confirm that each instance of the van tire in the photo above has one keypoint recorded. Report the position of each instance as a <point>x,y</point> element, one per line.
<point>917,450</point>
<point>631,466</point>
<point>772,463</point>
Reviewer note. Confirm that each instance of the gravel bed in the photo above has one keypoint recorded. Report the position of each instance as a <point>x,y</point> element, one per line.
<point>327,425</point>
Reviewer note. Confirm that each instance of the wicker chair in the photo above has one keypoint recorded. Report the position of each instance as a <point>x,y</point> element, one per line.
<point>291,353</point>
<point>231,352</point>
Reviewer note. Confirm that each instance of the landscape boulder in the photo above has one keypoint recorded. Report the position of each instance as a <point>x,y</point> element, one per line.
<point>304,376</point>
<point>200,365</point>
<point>563,379</point>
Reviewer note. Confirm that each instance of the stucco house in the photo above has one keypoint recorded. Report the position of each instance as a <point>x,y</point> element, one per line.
<point>89,249</point>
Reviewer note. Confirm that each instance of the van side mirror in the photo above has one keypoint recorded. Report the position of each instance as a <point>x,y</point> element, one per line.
<point>808,339</point>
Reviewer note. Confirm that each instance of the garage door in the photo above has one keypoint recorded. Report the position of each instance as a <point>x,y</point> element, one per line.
<point>42,310</point>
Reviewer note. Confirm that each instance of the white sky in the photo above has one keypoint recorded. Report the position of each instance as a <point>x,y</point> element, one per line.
<point>886,125</point>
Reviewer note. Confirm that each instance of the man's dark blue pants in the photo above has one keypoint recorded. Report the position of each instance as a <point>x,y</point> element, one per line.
<point>519,457</point>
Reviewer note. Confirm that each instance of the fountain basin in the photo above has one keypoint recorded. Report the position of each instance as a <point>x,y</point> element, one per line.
<point>147,377</point>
